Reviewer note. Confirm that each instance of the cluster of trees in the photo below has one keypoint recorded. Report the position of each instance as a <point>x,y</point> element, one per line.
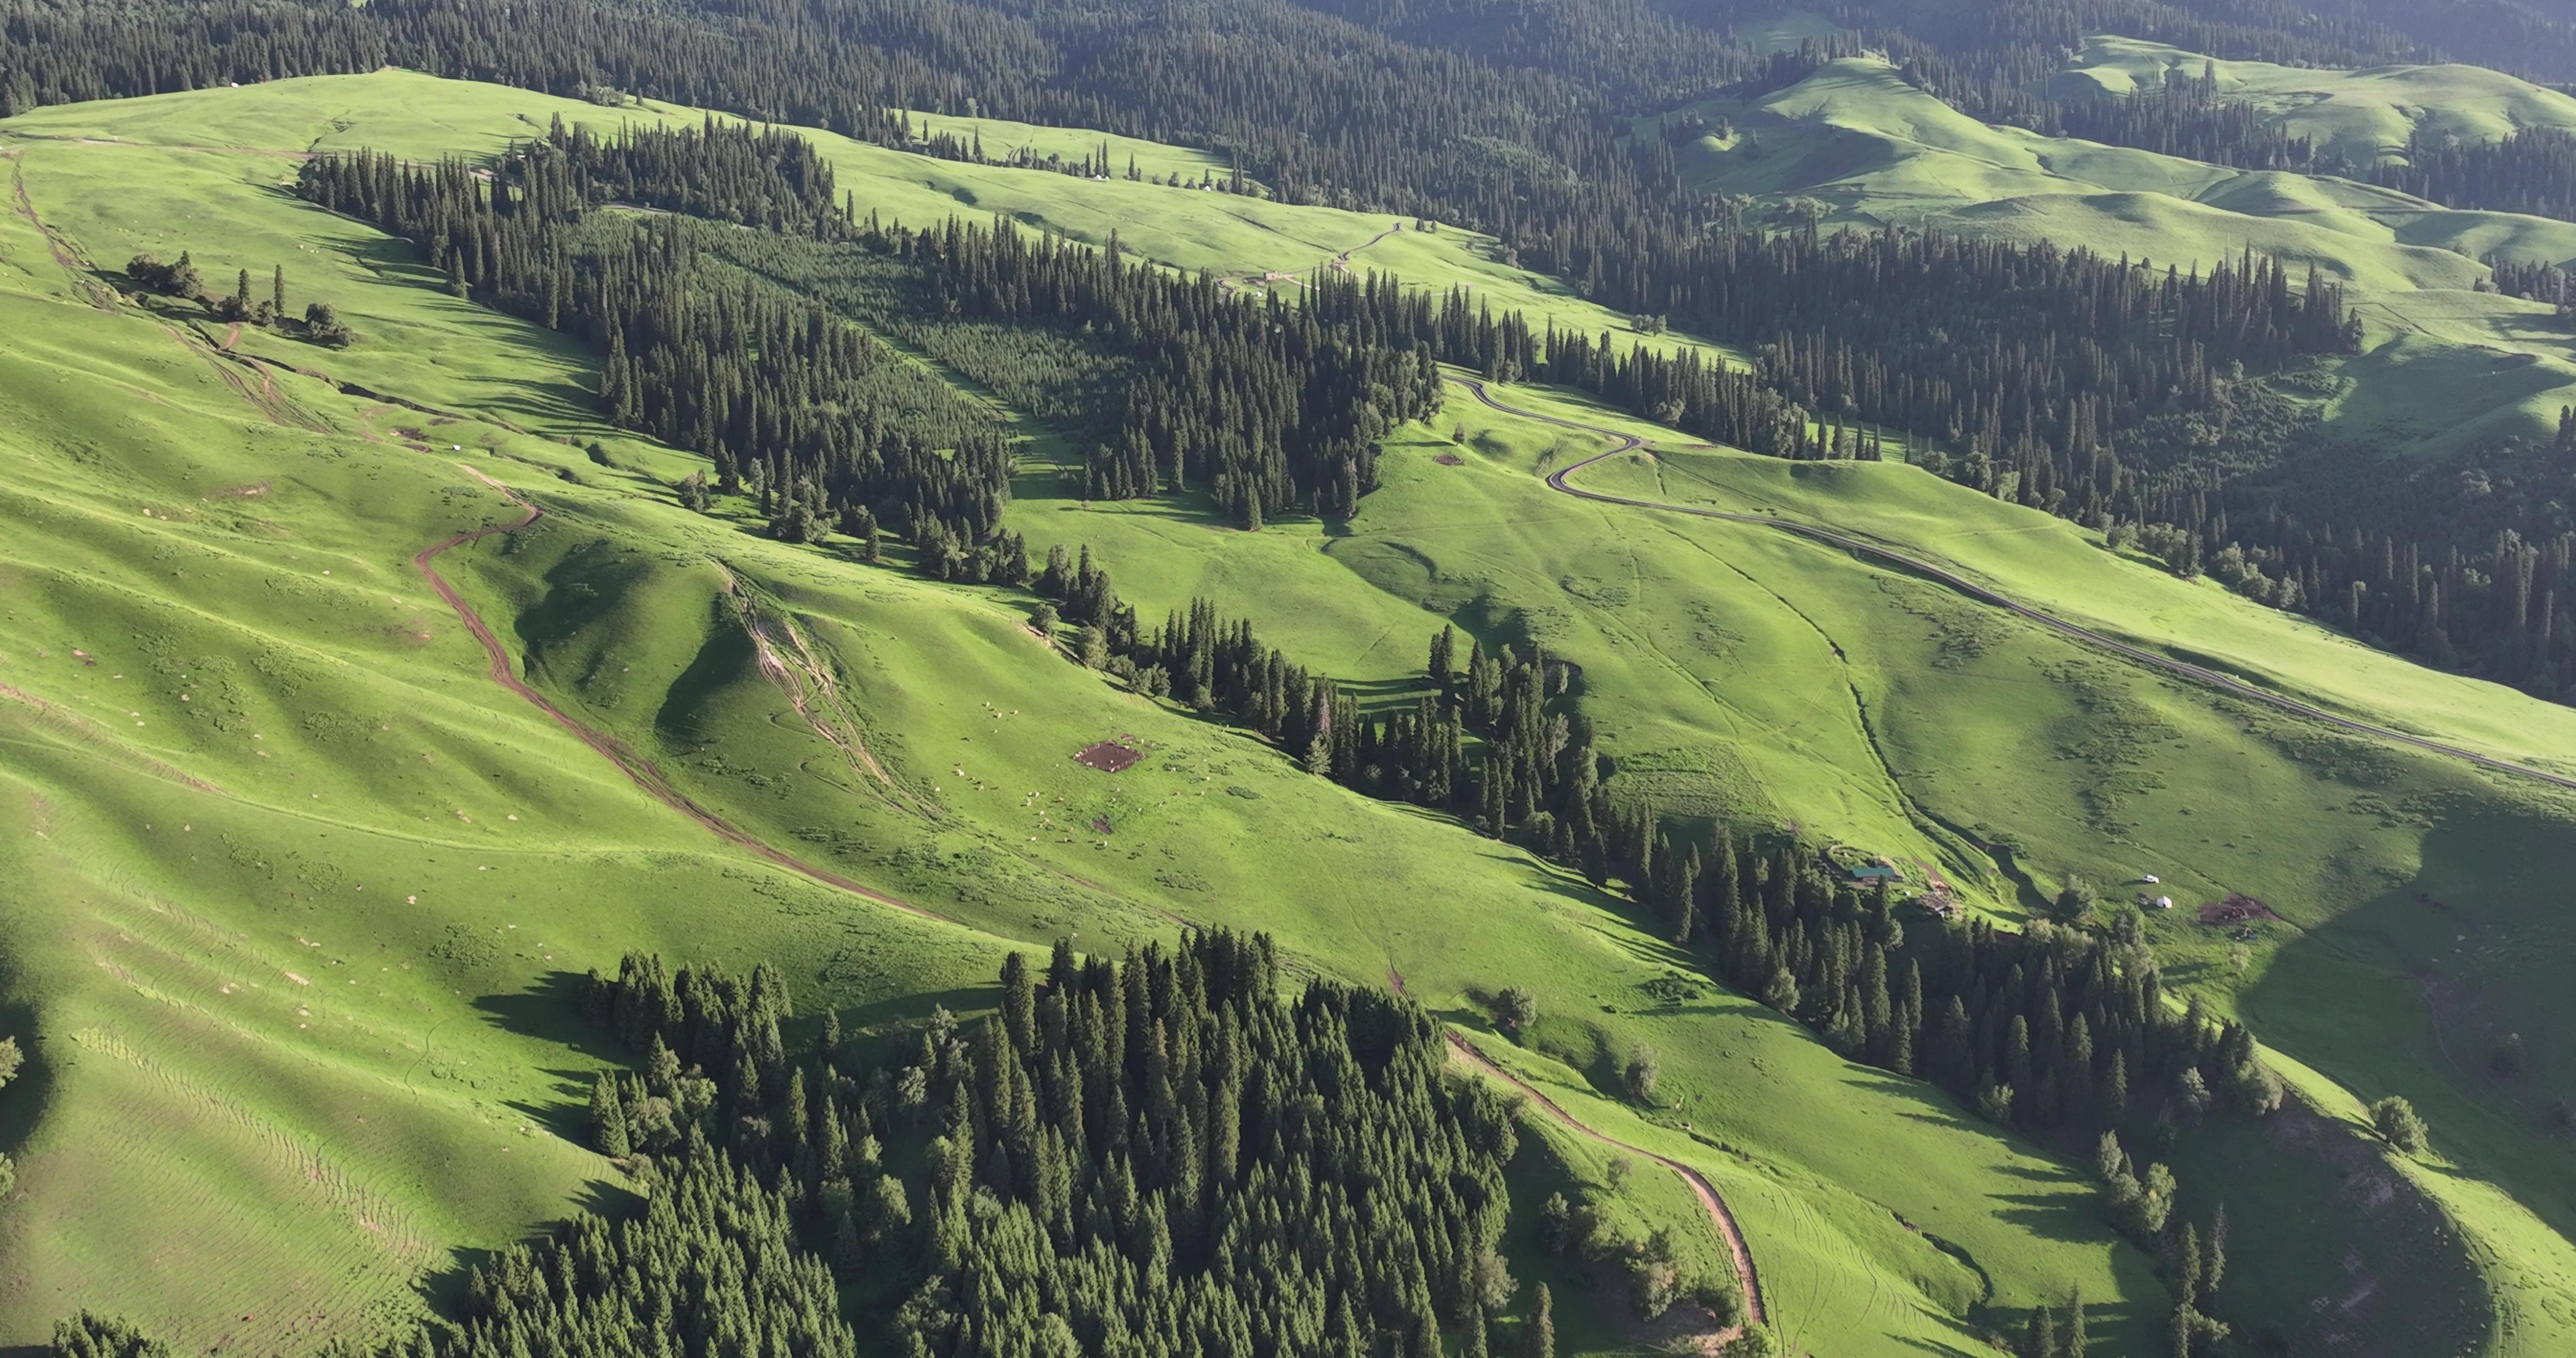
<point>320,324</point>
<point>2062,376</point>
<point>91,1335</point>
<point>1467,111</point>
<point>2184,116</point>
<point>712,1267</point>
<point>764,178</point>
<point>11,1061</point>
<point>1531,774</point>
<point>2035,360</point>
<point>2057,1331</point>
<point>2530,169</point>
<point>1583,1229</point>
<point>1155,1155</point>
<point>1994,62</point>
<point>2140,1206</point>
<point>1268,405</point>
<point>773,389</point>
<point>2532,280</point>
<point>2049,1030</point>
<point>2059,1032</point>
<point>2451,580</point>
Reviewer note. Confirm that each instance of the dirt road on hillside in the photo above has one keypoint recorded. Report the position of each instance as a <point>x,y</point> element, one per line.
<point>634,766</point>
<point>1724,1220</point>
<point>1630,443</point>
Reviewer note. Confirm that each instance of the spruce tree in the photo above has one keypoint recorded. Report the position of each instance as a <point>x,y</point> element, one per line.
<point>1539,1337</point>
<point>2039,1337</point>
<point>608,1131</point>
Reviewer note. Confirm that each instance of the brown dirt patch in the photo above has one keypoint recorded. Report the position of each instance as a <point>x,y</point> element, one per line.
<point>2236,909</point>
<point>250,492</point>
<point>1108,756</point>
<point>1449,460</point>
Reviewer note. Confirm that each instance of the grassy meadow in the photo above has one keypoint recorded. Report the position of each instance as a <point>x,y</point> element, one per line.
<point>2444,366</point>
<point>356,749</point>
<point>228,536</point>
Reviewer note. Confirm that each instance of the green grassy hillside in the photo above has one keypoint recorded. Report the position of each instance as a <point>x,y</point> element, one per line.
<point>2361,115</point>
<point>2445,366</point>
<point>360,753</point>
<point>1736,673</point>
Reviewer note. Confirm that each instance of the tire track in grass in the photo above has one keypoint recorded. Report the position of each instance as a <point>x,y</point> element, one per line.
<point>1746,1276</point>
<point>637,769</point>
<point>2209,678</point>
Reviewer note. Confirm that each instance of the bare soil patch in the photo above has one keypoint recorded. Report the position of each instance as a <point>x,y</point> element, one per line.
<point>1108,756</point>
<point>2236,909</point>
<point>1449,459</point>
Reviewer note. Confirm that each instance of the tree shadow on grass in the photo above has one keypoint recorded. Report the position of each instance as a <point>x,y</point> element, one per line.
<point>2052,1218</point>
<point>1969,1345</point>
<point>443,1290</point>
<point>903,1011</point>
<point>553,1011</point>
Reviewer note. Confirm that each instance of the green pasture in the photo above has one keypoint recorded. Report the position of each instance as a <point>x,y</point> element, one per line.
<point>292,659</point>
<point>1735,674</point>
<point>2446,366</point>
<point>2362,115</point>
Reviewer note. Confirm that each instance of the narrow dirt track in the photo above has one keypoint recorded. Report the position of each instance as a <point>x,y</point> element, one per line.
<point>1630,443</point>
<point>1724,1220</point>
<point>642,773</point>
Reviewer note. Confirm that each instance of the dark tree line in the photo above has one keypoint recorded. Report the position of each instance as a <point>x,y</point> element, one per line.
<point>2453,581</point>
<point>766,385</point>
<point>1501,744</point>
<point>2040,364</point>
<point>2186,117</point>
<point>765,178</point>
<point>2531,169</point>
<point>713,1267</point>
<point>1321,107</point>
<point>2053,1030</point>
<point>1268,405</point>
<point>1154,1156</point>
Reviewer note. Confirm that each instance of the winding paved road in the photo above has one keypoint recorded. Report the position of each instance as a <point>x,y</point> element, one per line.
<point>1630,443</point>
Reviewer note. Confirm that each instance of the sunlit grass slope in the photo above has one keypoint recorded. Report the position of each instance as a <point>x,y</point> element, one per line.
<point>290,888</point>
<point>1714,671</point>
<point>2446,366</point>
<point>422,117</point>
<point>358,759</point>
<point>2359,114</point>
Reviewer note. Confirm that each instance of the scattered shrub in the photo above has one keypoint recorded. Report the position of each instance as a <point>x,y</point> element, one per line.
<point>2397,1123</point>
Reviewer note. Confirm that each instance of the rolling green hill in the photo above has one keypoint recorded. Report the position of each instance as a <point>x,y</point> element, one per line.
<point>228,534</point>
<point>1868,149</point>
<point>627,611</point>
<point>2361,115</point>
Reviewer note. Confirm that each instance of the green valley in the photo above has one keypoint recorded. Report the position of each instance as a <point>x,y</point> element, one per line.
<point>436,632</point>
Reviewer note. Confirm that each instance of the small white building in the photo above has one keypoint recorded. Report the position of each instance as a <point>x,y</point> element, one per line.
<point>2164,902</point>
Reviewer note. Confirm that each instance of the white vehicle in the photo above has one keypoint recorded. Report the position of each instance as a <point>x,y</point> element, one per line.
<point>2149,879</point>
